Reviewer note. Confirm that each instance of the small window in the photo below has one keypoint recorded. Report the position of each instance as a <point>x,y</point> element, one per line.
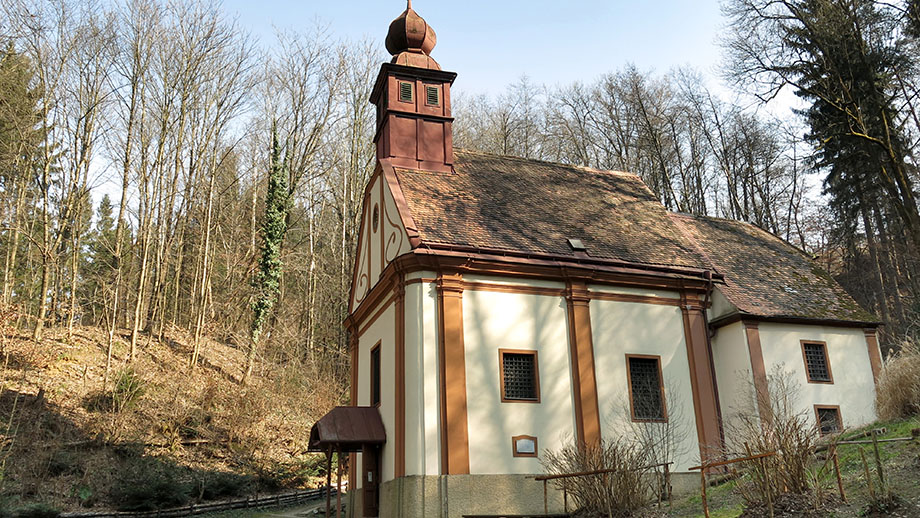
<point>405,92</point>
<point>433,94</point>
<point>829,421</point>
<point>519,376</point>
<point>817,368</point>
<point>645,388</point>
<point>524,446</point>
<point>375,375</point>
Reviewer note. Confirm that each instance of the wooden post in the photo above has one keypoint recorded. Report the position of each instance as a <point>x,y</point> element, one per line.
<point>765,480</point>
<point>329,482</point>
<point>338,485</point>
<point>565,499</point>
<point>868,476</point>
<point>545,502</point>
<point>843,494</point>
<point>883,487</point>
<point>703,491</point>
<point>667,482</point>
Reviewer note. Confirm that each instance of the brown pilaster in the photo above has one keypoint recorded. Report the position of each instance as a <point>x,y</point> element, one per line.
<point>353,349</point>
<point>587,414</point>
<point>758,371</point>
<point>702,379</point>
<point>399,439</point>
<point>875,354</point>
<point>455,447</point>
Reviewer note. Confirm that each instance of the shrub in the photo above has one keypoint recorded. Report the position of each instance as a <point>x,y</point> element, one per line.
<point>128,388</point>
<point>898,390</point>
<point>219,485</point>
<point>39,510</point>
<point>149,487</point>
<point>620,493</point>
<point>787,432</point>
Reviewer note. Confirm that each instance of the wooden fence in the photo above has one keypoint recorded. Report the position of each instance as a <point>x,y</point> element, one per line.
<point>287,499</point>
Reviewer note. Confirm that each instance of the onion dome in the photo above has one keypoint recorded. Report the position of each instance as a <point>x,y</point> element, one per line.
<point>411,40</point>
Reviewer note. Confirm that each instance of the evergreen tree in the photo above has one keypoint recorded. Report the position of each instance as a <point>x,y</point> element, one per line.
<point>841,57</point>
<point>274,226</point>
<point>98,264</point>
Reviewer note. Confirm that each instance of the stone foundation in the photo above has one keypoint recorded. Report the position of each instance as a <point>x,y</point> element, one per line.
<point>452,496</point>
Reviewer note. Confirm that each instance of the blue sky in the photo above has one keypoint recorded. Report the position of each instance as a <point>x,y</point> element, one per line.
<point>492,43</point>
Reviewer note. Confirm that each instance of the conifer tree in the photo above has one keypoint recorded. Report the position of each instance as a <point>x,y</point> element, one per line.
<point>274,225</point>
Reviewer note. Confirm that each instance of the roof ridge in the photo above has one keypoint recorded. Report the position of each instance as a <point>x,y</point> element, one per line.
<point>547,162</point>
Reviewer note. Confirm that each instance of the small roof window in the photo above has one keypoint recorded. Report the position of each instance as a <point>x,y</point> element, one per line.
<point>577,245</point>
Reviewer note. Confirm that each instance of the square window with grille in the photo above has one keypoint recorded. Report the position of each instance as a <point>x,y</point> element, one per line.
<point>405,92</point>
<point>816,365</point>
<point>519,376</point>
<point>645,388</point>
<point>375,375</point>
<point>828,419</point>
<point>432,96</point>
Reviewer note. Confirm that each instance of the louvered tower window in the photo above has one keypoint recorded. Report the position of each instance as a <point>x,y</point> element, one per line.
<point>816,364</point>
<point>405,92</point>
<point>433,95</point>
<point>646,393</point>
<point>520,376</point>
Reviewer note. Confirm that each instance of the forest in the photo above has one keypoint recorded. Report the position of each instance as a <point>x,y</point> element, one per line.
<point>162,171</point>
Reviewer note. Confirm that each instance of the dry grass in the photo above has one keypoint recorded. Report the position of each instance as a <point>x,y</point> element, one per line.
<point>898,392</point>
<point>67,440</point>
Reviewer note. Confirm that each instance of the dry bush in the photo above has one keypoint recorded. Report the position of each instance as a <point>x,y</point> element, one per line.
<point>620,493</point>
<point>786,431</point>
<point>898,392</point>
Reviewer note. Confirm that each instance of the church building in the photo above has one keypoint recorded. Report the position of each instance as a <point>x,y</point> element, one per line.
<point>502,308</point>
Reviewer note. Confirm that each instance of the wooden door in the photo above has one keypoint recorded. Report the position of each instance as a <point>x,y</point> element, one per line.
<point>371,480</point>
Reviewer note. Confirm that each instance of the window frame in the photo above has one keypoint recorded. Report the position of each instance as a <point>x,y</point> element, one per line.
<point>827,361</point>
<point>835,408</point>
<point>376,387</point>
<point>632,404</point>
<point>536,374</point>
<point>516,453</point>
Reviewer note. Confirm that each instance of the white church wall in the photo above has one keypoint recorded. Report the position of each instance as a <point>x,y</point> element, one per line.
<point>497,320</point>
<point>382,331</point>
<point>643,292</point>
<point>508,281</point>
<point>732,361</point>
<point>621,328</point>
<point>720,306</point>
<point>422,387</point>
<point>853,388</point>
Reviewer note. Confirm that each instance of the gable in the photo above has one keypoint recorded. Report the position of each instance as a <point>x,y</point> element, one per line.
<point>382,237</point>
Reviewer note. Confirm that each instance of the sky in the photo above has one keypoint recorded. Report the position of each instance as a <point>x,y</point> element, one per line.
<point>491,44</point>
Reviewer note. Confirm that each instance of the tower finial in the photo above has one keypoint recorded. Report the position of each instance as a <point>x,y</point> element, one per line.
<point>410,40</point>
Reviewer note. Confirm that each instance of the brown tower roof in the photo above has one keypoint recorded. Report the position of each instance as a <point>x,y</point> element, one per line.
<point>411,40</point>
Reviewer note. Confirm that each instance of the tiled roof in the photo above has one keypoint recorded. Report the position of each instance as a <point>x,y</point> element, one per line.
<point>765,276</point>
<point>530,206</point>
<point>518,205</point>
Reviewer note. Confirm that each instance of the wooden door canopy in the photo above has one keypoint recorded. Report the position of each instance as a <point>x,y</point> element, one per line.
<point>348,429</point>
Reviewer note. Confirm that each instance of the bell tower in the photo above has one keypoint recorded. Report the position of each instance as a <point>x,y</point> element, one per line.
<point>412,95</point>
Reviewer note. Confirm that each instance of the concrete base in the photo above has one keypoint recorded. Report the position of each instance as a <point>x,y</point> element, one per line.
<point>452,496</point>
